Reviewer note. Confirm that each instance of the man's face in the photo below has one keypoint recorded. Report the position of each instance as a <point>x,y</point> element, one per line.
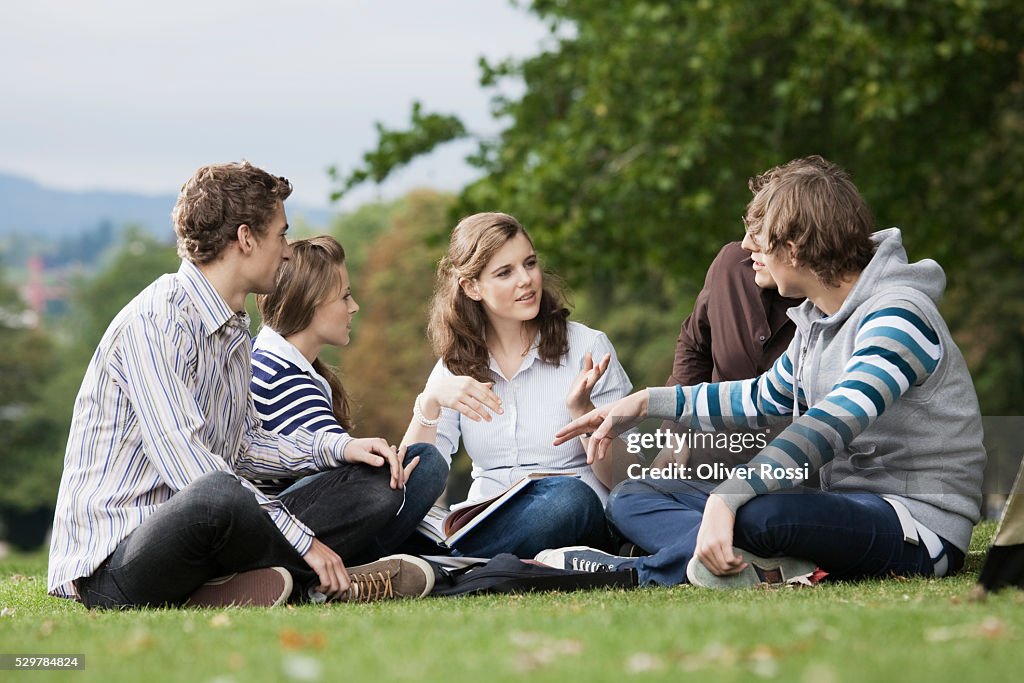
<point>272,250</point>
<point>775,270</point>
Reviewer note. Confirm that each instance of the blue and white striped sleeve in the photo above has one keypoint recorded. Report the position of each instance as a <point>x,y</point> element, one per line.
<point>895,348</point>
<point>743,403</point>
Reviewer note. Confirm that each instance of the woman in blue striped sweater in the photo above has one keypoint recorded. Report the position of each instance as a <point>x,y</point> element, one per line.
<point>312,307</point>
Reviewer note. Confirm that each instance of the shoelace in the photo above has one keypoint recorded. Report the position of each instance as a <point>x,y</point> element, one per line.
<point>582,565</point>
<point>370,587</point>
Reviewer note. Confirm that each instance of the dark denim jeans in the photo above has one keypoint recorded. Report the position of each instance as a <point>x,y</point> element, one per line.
<point>215,527</point>
<point>849,535</point>
<point>549,513</point>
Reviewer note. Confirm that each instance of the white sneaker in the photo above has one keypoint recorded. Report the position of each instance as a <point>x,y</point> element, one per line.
<point>760,571</point>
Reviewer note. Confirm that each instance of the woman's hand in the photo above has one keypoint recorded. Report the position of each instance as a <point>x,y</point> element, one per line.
<point>578,399</point>
<point>604,424</point>
<point>714,539</point>
<point>476,400</point>
<point>376,452</point>
<point>334,579</point>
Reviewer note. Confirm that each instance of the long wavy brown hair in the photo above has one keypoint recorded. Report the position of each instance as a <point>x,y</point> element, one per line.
<point>304,282</point>
<point>458,324</point>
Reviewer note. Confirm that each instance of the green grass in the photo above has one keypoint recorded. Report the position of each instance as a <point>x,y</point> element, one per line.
<point>907,630</point>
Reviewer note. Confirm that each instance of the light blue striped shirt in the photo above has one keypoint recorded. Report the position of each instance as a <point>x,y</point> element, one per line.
<point>165,399</point>
<point>518,441</point>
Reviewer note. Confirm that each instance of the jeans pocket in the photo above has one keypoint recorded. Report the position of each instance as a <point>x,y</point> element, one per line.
<point>100,591</point>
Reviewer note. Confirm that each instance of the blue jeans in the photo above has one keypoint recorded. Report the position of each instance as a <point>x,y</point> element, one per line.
<point>214,527</point>
<point>549,513</point>
<point>849,535</point>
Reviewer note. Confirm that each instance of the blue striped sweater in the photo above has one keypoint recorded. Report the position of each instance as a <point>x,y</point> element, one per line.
<point>879,397</point>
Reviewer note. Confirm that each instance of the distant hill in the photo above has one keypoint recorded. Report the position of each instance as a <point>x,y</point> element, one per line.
<point>28,208</point>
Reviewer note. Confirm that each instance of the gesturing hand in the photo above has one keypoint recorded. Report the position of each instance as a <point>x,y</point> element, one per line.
<point>376,452</point>
<point>334,579</point>
<point>605,424</point>
<point>476,400</point>
<point>714,539</point>
<point>578,399</point>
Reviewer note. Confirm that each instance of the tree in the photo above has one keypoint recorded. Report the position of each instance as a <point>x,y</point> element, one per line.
<point>40,374</point>
<point>628,151</point>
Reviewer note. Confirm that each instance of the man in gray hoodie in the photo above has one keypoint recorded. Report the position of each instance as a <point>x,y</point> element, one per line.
<point>878,398</point>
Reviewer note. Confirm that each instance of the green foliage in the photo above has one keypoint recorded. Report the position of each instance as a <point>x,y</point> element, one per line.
<point>627,154</point>
<point>397,148</point>
<point>389,358</point>
<point>42,369</point>
<point>138,261</point>
<point>26,365</point>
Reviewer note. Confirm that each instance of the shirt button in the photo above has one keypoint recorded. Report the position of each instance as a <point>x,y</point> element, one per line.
<point>761,338</point>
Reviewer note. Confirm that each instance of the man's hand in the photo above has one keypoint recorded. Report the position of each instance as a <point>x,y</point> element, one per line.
<point>375,453</point>
<point>605,424</point>
<point>714,539</point>
<point>334,579</point>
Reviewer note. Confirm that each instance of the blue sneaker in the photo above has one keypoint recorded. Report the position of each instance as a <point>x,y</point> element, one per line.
<point>581,558</point>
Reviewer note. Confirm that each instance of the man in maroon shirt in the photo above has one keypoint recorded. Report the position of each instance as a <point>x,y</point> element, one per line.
<point>737,330</point>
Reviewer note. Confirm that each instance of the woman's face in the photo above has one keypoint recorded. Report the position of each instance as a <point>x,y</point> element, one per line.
<point>332,321</point>
<point>511,283</point>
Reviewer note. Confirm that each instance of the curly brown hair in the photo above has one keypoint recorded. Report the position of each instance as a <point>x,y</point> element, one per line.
<point>308,279</point>
<point>216,200</point>
<point>458,323</point>
<point>814,204</point>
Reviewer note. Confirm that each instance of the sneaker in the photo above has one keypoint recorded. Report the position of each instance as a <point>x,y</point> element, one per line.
<point>395,576</point>
<point>760,571</point>
<point>581,558</point>
<point>266,587</point>
<point>630,549</point>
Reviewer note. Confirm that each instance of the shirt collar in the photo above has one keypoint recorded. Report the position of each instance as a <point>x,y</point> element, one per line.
<point>269,340</point>
<point>214,312</point>
<point>528,360</point>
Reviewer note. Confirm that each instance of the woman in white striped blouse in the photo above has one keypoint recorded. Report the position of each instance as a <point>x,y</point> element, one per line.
<point>312,307</point>
<point>512,369</point>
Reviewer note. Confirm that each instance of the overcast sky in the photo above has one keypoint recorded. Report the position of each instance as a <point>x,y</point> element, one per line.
<point>128,95</point>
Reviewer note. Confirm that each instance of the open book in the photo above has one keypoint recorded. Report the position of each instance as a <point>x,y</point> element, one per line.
<point>446,526</point>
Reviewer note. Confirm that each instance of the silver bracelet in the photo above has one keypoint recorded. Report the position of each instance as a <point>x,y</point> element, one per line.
<point>417,413</point>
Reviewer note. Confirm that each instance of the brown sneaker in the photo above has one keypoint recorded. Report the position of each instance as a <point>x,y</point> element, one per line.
<point>266,587</point>
<point>395,576</point>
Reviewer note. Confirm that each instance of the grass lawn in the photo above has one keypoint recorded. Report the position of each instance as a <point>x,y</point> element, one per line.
<point>907,630</point>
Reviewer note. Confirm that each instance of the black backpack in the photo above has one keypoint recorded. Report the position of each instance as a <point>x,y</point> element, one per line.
<point>506,573</point>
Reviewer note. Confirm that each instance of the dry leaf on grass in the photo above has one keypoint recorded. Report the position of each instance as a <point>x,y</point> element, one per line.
<point>990,628</point>
<point>138,640</point>
<point>539,650</point>
<point>301,668</point>
<point>643,662</point>
<point>221,620</point>
<point>291,639</point>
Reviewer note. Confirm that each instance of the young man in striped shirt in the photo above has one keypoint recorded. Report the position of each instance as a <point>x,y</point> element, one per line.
<point>153,501</point>
<point>877,397</point>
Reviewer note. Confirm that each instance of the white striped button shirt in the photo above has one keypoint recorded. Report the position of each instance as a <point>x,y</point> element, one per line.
<point>165,400</point>
<point>518,441</point>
